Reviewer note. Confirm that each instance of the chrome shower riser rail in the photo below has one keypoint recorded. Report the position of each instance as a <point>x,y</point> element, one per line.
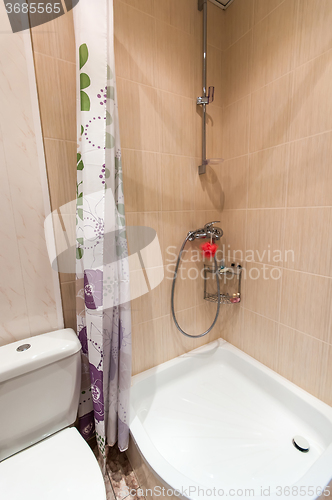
<point>207,97</point>
<point>202,5</point>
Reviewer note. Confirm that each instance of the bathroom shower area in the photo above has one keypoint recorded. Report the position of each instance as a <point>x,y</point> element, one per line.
<point>270,65</point>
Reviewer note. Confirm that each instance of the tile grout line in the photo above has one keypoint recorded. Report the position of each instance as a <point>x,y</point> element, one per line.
<point>329,131</point>
<point>293,70</point>
<point>287,326</point>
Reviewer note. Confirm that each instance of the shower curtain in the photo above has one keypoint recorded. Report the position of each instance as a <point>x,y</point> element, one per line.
<point>102,271</point>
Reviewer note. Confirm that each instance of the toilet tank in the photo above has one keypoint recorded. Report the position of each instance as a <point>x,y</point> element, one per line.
<point>39,388</point>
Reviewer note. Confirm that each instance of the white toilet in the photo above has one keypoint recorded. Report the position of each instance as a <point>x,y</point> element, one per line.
<point>41,456</point>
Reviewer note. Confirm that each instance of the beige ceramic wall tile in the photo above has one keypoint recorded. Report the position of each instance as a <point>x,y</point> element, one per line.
<point>305,303</point>
<point>310,173</point>
<point>302,360</point>
<point>175,227</point>
<point>214,146</point>
<point>214,74</point>
<point>134,44</point>
<point>138,284</point>
<point>148,220</point>
<point>66,38</point>
<point>264,235</point>
<point>67,89</point>
<point>233,223</point>
<point>236,70</point>
<point>267,177</point>
<point>313,29</point>
<point>205,315</point>
<point>174,64</point>
<point>185,286</point>
<point>68,293</point>
<point>146,6</point>
<point>325,381</point>
<point>139,115</point>
<point>261,289</point>
<point>177,13</point>
<point>178,177</point>
<point>216,26</point>
<point>56,38</point>
<point>273,45</point>
<point>260,338</point>
<point>238,20</point>
<point>232,178</point>
<point>312,100</point>
<point>270,114</point>
<point>147,341</point>
<point>177,114</point>
<point>148,306</point>
<point>175,342</point>
<point>198,129</point>
<point>198,56</point>
<point>231,324</point>
<point>263,7</point>
<point>235,129</point>
<point>64,277</point>
<point>50,103</point>
<point>45,39</point>
<point>308,233</point>
<point>61,165</point>
<point>209,194</point>
<point>141,180</point>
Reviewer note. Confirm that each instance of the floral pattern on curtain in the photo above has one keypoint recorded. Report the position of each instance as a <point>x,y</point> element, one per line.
<point>102,270</point>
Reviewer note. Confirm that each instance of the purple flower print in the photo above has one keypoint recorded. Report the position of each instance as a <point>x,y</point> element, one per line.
<point>97,392</point>
<point>86,425</point>
<point>83,338</point>
<point>93,288</point>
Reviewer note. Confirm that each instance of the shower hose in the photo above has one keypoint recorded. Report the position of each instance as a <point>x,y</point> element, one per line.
<point>172,295</point>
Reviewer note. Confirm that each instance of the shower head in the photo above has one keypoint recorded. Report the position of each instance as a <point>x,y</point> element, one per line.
<point>223,4</point>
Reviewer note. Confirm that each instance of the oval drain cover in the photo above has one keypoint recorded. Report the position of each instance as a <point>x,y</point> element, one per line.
<point>23,347</point>
<point>301,444</point>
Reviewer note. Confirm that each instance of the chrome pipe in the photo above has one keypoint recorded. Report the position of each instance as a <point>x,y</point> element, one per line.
<point>204,45</point>
<point>173,292</point>
<point>202,168</point>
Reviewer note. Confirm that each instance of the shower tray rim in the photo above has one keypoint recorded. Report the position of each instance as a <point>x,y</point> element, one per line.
<point>169,476</point>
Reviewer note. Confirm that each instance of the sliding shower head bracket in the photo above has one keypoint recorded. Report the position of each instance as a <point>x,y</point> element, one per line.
<point>206,99</point>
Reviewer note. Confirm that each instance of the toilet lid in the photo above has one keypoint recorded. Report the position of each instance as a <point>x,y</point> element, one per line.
<point>60,467</point>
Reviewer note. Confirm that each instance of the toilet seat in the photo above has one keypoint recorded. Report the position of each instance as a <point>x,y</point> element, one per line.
<point>62,466</point>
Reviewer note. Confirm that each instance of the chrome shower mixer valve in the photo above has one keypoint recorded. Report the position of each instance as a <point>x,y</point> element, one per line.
<point>214,234</point>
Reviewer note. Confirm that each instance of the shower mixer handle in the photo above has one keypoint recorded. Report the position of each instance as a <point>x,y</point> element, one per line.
<point>205,232</point>
<point>215,232</point>
<point>208,225</point>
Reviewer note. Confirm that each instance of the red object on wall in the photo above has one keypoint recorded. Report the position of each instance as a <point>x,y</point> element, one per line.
<point>208,249</point>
